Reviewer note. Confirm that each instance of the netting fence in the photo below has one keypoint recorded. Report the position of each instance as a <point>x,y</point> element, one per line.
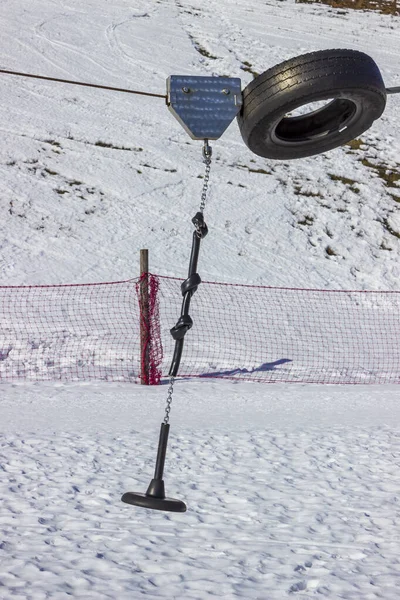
<point>70,332</point>
<point>241,332</point>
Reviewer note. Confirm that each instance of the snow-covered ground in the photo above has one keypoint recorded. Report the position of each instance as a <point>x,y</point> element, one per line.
<point>292,490</point>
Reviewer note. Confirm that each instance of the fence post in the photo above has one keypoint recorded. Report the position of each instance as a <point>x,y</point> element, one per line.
<point>144,317</point>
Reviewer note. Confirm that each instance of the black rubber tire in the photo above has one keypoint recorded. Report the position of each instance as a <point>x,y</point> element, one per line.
<point>352,79</point>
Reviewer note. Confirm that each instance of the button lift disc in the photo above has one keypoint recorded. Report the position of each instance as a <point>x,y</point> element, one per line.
<point>205,107</point>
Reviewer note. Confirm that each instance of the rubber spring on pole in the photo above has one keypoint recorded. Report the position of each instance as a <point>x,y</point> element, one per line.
<point>188,288</point>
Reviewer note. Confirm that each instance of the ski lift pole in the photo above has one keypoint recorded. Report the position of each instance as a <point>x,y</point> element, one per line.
<point>154,498</point>
<point>205,107</point>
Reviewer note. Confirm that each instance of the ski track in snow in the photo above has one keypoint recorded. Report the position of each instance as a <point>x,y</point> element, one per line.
<point>256,206</point>
<point>292,492</point>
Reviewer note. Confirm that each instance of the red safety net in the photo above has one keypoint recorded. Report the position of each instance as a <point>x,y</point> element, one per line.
<point>151,348</point>
<point>273,335</point>
<point>77,332</point>
<point>121,332</point>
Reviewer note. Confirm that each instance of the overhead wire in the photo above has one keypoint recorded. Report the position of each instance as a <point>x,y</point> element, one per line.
<point>81,83</point>
<point>391,90</point>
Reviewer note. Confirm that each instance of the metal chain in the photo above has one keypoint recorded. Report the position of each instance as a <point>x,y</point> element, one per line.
<point>169,400</point>
<point>207,154</point>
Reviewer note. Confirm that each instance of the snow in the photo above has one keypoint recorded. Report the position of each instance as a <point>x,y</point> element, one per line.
<point>289,489</point>
<point>292,490</point>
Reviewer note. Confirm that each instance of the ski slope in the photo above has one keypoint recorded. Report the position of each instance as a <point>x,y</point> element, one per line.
<point>292,490</point>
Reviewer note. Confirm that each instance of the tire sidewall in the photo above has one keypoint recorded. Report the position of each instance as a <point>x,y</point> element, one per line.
<point>264,127</point>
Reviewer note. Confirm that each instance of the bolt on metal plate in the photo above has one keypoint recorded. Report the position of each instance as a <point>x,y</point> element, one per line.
<point>204,106</point>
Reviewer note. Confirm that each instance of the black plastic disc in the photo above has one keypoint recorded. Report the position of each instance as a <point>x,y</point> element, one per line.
<point>167,504</point>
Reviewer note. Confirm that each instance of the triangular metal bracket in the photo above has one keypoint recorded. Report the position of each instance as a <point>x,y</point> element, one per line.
<point>204,106</point>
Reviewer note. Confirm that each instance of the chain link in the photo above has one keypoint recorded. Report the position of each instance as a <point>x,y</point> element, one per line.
<point>207,154</point>
<point>169,400</point>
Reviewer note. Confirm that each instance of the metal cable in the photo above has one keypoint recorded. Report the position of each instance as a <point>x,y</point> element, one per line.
<point>392,90</point>
<point>91,85</point>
